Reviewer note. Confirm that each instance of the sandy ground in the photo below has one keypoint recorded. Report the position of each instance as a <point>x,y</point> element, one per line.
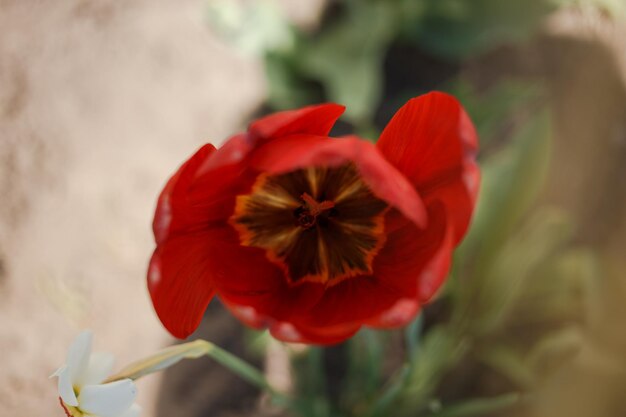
<point>99,103</point>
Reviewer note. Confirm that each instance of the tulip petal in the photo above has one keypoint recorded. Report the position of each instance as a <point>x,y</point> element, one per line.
<point>404,260</point>
<point>78,355</point>
<point>172,208</point>
<point>399,315</point>
<point>263,308</point>
<point>329,335</point>
<point>416,262</point>
<point>312,120</point>
<point>203,191</point>
<point>180,282</point>
<point>386,182</point>
<point>99,367</point>
<point>411,266</point>
<point>133,411</point>
<point>351,301</point>
<point>65,387</point>
<point>233,151</point>
<point>435,272</point>
<point>254,281</point>
<point>433,142</point>
<point>108,400</point>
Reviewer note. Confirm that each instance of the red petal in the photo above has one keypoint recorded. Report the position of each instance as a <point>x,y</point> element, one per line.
<point>244,277</point>
<point>255,283</point>
<point>313,120</point>
<point>406,273</point>
<point>232,152</point>
<point>433,142</point>
<point>288,332</point>
<point>407,261</point>
<point>299,151</point>
<point>268,306</point>
<point>172,198</point>
<point>353,300</point>
<point>197,198</point>
<point>293,333</point>
<point>203,188</point>
<point>436,271</point>
<point>399,315</point>
<point>180,282</point>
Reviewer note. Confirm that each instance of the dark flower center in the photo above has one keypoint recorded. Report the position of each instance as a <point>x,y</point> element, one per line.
<point>307,214</point>
<point>319,224</point>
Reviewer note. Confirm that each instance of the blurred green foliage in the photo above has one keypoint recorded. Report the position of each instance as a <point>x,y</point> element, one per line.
<point>519,286</point>
<point>346,58</point>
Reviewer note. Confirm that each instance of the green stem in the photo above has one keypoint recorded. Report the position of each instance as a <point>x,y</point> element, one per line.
<point>246,372</point>
<point>390,394</point>
<point>239,367</point>
<point>193,350</point>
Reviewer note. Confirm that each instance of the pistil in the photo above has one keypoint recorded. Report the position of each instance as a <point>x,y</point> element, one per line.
<point>308,217</point>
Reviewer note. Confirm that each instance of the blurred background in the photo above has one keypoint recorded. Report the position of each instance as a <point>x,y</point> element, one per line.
<point>100,101</point>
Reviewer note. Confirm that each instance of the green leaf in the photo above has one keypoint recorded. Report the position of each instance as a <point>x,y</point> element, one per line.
<point>479,407</point>
<point>514,264</point>
<point>347,57</point>
<point>286,89</point>
<point>614,8</point>
<point>390,394</point>
<point>491,110</point>
<point>511,181</point>
<point>310,390</point>
<point>460,28</point>
<point>253,28</point>
<point>508,362</point>
<point>394,389</point>
<point>565,281</point>
<point>412,335</point>
<point>554,349</point>
<point>441,348</point>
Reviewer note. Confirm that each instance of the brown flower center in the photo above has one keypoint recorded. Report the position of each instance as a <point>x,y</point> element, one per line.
<point>319,224</point>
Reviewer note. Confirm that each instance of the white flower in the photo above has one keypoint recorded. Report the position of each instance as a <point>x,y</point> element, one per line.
<point>81,386</point>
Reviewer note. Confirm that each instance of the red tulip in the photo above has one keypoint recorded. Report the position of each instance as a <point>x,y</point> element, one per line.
<point>312,236</point>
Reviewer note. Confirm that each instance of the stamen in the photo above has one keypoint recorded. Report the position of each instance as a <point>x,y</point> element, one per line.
<point>326,226</point>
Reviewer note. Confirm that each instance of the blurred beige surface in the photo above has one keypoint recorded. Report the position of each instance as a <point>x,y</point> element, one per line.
<point>99,103</point>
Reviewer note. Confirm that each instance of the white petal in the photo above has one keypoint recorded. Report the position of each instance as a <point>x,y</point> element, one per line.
<point>78,355</point>
<point>107,400</point>
<point>66,390</point>
<point>99,367</point>
<point>133,411</point>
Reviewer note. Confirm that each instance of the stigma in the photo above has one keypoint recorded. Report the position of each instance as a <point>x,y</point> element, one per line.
<point>307,214</point>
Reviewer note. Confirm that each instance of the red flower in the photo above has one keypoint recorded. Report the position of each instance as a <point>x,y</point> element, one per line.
<point>312,236</point>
